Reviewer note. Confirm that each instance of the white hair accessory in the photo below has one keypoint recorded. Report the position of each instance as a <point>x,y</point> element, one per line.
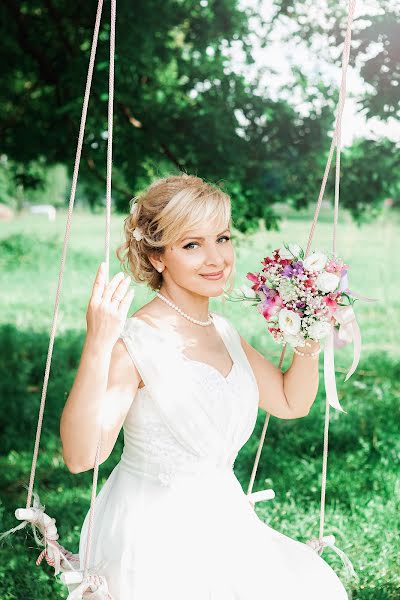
<point>134,205</point>
<point>137,233</point>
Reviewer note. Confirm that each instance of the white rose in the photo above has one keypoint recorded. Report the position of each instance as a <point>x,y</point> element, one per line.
<point>319,330</point>
<point>315,262</point>
<point>295,340</point>
<point>327,282</point>
<point>294,248</point>
<point>289,321</point>
<point>247,291</point>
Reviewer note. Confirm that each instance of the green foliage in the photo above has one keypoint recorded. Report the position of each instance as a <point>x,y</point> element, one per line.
<point>362,507</point>
<point>21,251</point>
<point>363,190</point>
<point>23,355</point>
<point>179,105</point>
<point>362,501</point>
<point>375,36</point>
<point>32,183</point>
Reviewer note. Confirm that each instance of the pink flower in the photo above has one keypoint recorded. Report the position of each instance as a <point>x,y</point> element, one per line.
<point>335,266</point>
<point>257,279</point>
<point>271,306</point>
<point>331,304</point>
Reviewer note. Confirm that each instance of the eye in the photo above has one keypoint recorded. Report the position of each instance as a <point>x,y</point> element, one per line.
<point>187,247</point>
<point>226,237</point>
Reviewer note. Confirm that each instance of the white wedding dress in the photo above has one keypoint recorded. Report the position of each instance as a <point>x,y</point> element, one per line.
<point>172,521</point>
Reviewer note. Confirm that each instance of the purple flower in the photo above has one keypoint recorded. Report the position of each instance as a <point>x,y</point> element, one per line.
<point>268,292</point>
<point>292,270</point>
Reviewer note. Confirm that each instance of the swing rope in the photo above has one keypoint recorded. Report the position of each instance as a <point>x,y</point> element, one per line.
<point>65,247</point>
<point>90,574</point>
<point>336,142</point>
<point>107,256</point>
<point>64,250</point>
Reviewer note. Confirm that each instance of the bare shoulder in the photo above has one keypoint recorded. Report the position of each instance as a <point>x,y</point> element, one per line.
<point>153,313</point>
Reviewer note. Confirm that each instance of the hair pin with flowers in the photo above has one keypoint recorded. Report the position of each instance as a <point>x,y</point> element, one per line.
<point>307,298</point>
<point>137,232</point>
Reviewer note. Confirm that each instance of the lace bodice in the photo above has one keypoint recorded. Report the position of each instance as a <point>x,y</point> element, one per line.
<point>188,417</point>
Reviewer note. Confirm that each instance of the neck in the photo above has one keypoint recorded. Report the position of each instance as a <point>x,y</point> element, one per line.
<point>192,304</point>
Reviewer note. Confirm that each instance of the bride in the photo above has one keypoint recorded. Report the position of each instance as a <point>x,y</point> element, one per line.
<point>172,521</point>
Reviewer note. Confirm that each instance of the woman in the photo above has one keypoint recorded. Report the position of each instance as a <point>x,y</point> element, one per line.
<point>172,521</point>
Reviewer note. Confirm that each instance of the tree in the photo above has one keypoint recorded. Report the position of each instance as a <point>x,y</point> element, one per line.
<point>376,37</point>
<point>179,105</point>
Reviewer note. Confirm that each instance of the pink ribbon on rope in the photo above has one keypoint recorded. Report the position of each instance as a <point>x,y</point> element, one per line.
<point>45,534</point>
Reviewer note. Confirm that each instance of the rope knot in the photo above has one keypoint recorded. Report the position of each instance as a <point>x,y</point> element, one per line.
<point>318,544</point>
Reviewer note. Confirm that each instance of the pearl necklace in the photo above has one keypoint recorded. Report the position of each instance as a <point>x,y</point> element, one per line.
<point>180,311</point>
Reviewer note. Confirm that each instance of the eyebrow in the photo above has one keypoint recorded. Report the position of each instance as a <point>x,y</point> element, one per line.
<point>193,237</point>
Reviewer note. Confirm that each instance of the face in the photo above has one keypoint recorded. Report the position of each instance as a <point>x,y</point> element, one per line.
<point>195,255</point>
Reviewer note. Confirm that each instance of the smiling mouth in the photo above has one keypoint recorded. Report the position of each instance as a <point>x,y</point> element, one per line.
<point>211,274</point>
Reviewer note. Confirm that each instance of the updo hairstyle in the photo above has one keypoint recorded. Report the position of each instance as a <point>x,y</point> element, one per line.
<point>163,212</point>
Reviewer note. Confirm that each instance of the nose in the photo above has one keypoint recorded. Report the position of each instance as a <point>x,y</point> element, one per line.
<point>215,257</point>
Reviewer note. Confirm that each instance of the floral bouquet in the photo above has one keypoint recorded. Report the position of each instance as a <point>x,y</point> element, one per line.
<point>307,298</point>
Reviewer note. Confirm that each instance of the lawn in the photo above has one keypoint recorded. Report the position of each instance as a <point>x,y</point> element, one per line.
<point>362,504</point>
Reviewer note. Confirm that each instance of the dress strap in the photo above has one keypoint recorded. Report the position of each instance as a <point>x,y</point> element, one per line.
<point>229,334</point>
<point>146,346</point>
<point>155,355</point>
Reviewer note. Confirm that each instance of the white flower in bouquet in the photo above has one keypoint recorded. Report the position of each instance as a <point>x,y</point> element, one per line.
<point>295,340</point>
<point>248,291</point>
<point>287,290</point>
<point>289,321</point>
<point>327,282</point>
<point>294,250</point>
<point>318,330</point>
<point>316,261</point>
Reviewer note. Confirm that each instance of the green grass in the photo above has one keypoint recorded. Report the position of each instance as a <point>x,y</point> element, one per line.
<point>362,503</point>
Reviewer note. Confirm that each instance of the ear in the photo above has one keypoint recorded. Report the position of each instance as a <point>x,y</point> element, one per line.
<point>156,261</point>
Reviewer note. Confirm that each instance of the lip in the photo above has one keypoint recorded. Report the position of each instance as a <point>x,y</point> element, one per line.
<point>217,275</point>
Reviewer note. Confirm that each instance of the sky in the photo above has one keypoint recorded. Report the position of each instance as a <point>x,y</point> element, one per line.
<point>315,63</point>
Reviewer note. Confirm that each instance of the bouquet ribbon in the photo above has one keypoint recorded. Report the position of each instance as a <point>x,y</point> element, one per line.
<point>349,331</point>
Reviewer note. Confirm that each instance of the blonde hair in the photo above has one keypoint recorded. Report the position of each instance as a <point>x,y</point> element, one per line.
<point>164,211</point>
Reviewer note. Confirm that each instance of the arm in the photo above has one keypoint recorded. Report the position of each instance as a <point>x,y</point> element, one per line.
<point>286,395</point>
<point>105,383</point>
<point>102,393</point>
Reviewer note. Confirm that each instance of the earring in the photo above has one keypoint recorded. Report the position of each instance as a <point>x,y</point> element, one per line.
<point>159,269</point>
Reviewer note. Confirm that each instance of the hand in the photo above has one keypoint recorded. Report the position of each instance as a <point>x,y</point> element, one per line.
<point>311,346</point>
<point>108,308</point>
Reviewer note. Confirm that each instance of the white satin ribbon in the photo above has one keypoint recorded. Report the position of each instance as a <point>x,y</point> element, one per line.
<point>349,331</point>
<point>318,544</point>
<point>344,283</point>
<point>329,372</point>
